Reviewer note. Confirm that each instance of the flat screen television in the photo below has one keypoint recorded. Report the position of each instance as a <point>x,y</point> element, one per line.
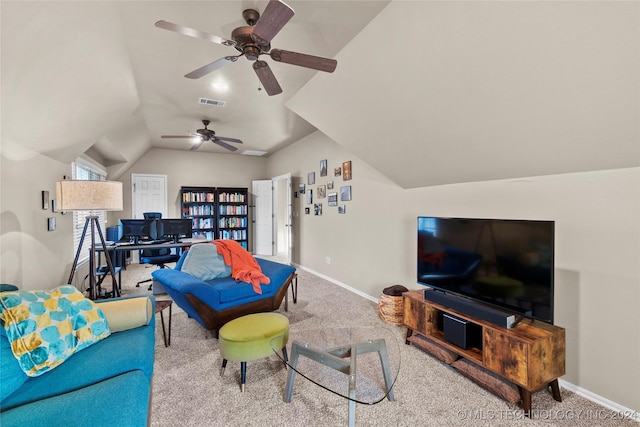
<point>174,228</point>
<point>502,262</point>
<point>134,230</point>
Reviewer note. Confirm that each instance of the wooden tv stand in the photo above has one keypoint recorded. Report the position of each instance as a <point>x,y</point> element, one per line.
<point>531,355</point>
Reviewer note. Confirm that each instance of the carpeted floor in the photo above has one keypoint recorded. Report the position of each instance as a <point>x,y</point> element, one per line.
<point>189,391</point>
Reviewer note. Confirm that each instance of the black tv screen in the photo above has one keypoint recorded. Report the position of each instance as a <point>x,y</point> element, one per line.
<point>503,262</point>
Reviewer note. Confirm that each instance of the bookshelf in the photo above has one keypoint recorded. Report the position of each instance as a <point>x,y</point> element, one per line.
<point>217,212</point>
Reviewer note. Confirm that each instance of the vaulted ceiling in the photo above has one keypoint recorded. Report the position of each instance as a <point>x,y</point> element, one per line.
<point>427,92</point>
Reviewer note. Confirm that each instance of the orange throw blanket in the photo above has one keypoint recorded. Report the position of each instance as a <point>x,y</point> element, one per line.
<point>244,267</point>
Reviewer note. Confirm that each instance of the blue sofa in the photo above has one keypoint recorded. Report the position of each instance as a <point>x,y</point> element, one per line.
<point>213,301</point>
<point>105,384</point>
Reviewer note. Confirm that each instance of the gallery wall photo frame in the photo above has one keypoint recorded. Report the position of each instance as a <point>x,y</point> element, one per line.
<point>346,170</point>
<point>323,167</point>
<point>322,191</point>
<point>332,199</point>
<point>337,171</point>
<point>345,193</point>
<point>311,178</point>
<point>45,200</point>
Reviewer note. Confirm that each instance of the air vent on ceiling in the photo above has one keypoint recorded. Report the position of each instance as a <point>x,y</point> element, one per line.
<point>253,153</point>
<point>213,102</point>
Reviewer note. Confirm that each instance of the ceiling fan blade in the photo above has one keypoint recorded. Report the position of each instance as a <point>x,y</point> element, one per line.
<point>193,33</point>
<point>224,144</point>
<point>267,78</point>
<point>274,17</point>
<point>304,60</point>
<point>178,136</point>
<point>224,138</point>
<point>197,144</point>
<point>196,74</point>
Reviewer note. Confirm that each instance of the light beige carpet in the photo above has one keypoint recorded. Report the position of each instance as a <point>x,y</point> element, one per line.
<point>189,391</point>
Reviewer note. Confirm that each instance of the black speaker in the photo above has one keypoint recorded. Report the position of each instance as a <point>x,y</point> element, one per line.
<point>471,308</point>
<point>461,333</point>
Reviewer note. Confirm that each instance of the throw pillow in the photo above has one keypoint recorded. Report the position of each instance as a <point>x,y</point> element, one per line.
<point>127,313</point>
<point>204,262</point>
<point>47,327</point>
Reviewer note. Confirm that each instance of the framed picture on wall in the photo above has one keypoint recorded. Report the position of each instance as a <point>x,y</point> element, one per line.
<point>323,168</point>
<point>322,192</point>
<point>345,193</point>
<point>309,194</point>
<point>346,170</point>
<point>329,185</point>
<point>311,178</point>
<point>337,171</point>
<point>332,199</point>
<point>342,209</point>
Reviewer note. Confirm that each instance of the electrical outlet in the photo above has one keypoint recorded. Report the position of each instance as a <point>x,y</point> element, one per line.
<point>328,260</point>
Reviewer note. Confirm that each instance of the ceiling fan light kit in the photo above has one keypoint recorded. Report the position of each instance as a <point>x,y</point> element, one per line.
<point>254,40</point>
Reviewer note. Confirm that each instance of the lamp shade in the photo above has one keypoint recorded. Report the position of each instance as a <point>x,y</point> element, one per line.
<point>79,195</point>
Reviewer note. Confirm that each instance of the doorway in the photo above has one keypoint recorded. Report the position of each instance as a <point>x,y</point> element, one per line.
<point>272,217</point>
<point>148,194</point>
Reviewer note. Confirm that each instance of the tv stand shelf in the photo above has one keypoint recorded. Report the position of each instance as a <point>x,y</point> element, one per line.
<point>530,355</point>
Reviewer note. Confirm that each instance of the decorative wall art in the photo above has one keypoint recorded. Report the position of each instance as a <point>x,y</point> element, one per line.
<point>317,208</point>
<point>332,199</point>
<point>45,200</point>
<point>346,170</point>
<point>337,172</point>
<point>301,189</point>
<point>307,211</point>
<point>323,168</point>
<point>311,178</point>
<point>309,194</point>
<point>322,192</point>
<point>329,185</point>
<point>342,209</point>
<point>345,193</point>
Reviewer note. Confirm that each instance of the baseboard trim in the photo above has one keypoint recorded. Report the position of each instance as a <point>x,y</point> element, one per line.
<point>336,282</point>
<point>602,401</point>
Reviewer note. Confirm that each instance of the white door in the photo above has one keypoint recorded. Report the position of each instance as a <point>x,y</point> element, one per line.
<point>263,242</point>
<point>283,215</point>
<point>148,194</point>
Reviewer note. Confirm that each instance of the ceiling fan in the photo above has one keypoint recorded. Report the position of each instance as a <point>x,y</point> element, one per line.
<point>254,40</point>
<point>208,135</point>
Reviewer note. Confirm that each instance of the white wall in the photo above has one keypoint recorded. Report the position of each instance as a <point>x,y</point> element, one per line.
<point>597,249</point>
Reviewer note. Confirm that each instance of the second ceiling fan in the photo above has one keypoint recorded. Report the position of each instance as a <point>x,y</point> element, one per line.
<point>208,135</point>
<point>254,40</point>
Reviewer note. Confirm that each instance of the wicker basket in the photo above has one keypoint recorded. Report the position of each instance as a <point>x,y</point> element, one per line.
<point>391,309</point>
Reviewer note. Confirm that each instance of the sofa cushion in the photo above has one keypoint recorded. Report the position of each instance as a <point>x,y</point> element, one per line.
<point>204,262</point>
<point>46,327</point>
<point>121,401</point>
<point>127,351</point>
<point>11,375</point>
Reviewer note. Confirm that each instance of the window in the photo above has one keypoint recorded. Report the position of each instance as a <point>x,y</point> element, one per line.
<point>83,170</point>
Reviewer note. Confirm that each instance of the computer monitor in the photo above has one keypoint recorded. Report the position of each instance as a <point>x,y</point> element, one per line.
<point>134,230</point>
<point>174,228</point>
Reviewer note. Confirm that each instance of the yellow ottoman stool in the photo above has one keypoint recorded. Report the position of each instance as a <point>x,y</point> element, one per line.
<point>249,338</point>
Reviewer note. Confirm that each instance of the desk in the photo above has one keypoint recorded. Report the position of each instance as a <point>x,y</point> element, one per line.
<point>359,364</point>
<point>118,248</point>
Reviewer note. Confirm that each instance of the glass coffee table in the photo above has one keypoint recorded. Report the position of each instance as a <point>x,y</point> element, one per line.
<point>358,364</point>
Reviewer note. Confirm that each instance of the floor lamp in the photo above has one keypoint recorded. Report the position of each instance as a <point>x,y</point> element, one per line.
<point>76,195</point>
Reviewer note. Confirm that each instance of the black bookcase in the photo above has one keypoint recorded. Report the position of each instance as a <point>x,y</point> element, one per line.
<point>217,212</point>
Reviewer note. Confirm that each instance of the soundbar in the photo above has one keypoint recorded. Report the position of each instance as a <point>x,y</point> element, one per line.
<point>471,308</point>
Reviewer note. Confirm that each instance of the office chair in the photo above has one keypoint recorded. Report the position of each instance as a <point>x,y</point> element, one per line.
<point>158,257</point>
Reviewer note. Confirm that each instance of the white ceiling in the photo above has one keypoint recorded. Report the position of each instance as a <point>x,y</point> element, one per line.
<point>427,92</point>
